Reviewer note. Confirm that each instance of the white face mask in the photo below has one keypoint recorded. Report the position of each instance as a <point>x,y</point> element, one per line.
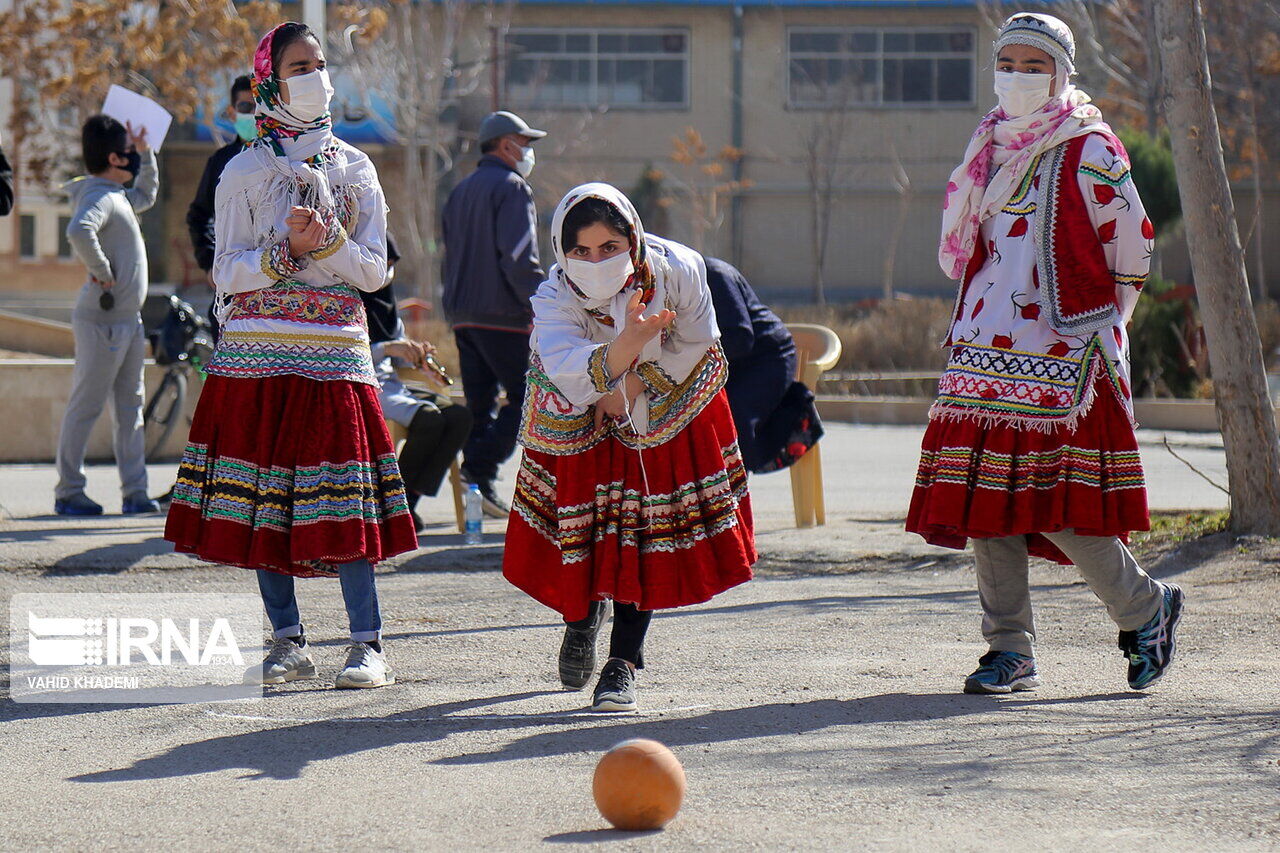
<point>1022,94</point>
<point>603,279</point>
<point>525,164</point>
<point>309,95</point>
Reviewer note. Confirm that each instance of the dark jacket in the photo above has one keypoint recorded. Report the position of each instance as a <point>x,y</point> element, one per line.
<point>748,329</point>
<point>774,414</point>
<point>200,213</point>
<point>6,185</point>
<point>491,267</point>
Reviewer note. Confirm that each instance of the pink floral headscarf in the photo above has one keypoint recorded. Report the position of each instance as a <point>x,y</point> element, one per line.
<point>1006,147</point>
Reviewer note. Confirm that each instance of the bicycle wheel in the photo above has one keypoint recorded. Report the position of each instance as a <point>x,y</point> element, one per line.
<point>163,411</point>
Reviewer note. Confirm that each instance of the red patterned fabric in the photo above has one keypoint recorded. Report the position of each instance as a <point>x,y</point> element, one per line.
<point>289,474</point>
<point>573,534</point>
<point>1078,289</point>
<point>981,480</point>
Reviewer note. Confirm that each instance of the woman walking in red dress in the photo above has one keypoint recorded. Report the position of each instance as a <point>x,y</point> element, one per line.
<point>1030,446</point>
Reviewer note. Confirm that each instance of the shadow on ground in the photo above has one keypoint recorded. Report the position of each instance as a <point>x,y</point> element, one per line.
<point>284,752</point>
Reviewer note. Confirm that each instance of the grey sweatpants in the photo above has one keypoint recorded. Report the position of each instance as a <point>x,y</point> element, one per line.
<point>109,359</point>
<point>1130,595</point>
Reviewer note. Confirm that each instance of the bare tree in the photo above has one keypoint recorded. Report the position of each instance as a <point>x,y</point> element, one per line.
<point>701,180</point>
<point>62,57</point>
<point>413,57</point>
<point>1235,354</point>
<point>902,185</point>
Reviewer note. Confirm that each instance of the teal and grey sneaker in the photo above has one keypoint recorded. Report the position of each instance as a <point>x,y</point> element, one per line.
<point>1003,672</point>
<point>1150,648</point>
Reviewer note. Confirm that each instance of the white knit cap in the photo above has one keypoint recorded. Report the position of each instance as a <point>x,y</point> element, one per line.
<point>1044,32</point>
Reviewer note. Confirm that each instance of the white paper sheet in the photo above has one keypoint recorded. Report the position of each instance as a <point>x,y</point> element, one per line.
<point>140,111</point>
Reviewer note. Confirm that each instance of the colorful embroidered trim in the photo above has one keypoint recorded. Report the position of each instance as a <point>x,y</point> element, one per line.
<point>598,369</point>
<point>695,512</point>
<point>656,378</point>
<point>1028,389</point>
<point>1045,470</point>
<point>280,498</point>
<point>1045,227</point>
<point>338,238</point>
<point>278,264</point>
<point>551,424</point>
<point>274,332</point>
<point>1023,201</point>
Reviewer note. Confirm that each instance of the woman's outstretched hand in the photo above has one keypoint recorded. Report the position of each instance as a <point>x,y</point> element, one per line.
<point>641,329</point>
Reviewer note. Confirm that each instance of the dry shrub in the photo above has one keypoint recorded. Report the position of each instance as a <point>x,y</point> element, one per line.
<point>899,334</point>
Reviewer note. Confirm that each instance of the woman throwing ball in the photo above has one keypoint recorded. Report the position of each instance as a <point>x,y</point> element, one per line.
<point>631,487</point>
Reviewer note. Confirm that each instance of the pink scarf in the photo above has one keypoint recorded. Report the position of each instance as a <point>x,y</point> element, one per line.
<point>1010,146</point>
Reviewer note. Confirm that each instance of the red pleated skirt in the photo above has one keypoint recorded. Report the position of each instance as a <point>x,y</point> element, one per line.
<point>585,527</point>
<point>289,474</point>
<point>982,481</point>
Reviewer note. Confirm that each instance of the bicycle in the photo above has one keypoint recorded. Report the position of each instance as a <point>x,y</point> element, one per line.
<point>182,342</point>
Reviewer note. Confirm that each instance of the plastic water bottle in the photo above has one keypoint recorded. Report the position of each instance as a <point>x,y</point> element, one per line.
<point>473,514</point>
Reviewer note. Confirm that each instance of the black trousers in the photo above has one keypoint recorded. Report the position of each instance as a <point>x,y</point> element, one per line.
<point>630,624</point>
<point>435,437</point>
<point>490,360</point>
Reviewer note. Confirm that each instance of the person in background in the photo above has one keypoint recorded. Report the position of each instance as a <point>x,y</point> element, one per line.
<point>437,428</point>
<point>200,213</point>
<point>6,184</point>
<point>107,320</point>
<point>775,415</point>
<point>491,271</point>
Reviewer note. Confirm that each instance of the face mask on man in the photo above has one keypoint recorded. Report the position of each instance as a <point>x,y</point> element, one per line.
<point>134,164</point>
<point>1022,94</point>
<point>525,164</point>
<point>603,279</point>
<point>309,95</point>
<point>246,127</point>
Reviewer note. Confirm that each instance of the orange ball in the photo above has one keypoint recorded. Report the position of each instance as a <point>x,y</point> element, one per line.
<point>639,785</point>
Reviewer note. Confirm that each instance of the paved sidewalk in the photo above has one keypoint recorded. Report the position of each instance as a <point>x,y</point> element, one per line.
<point>816,707</point>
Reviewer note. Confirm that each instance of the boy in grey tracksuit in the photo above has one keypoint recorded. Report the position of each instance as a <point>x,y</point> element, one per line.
<point>110,344</point>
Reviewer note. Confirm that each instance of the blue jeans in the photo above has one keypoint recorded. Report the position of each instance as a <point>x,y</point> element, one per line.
<point>358,593</point>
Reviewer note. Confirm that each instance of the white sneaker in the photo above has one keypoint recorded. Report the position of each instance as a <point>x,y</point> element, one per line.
<point>365,667</point>
<point>287,661</point>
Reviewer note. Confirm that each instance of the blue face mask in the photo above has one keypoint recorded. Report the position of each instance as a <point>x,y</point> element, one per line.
<point>246,127</point>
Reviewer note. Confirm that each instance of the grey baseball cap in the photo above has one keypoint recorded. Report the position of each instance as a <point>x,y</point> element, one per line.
<point>501,123</point>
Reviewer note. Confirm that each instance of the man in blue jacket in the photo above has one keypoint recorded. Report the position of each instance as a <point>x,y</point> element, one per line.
<point>491,270</point>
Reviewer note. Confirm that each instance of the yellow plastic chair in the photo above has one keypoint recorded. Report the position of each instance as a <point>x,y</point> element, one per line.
<point>412,376</point>
<point>817,351</point>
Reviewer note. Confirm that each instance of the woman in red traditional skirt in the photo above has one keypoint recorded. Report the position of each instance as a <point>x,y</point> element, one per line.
<point>1030,446</point>
<point>631,487</point>
<point>289,469</point>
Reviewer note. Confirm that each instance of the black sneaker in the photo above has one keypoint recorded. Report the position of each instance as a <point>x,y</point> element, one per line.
<point>1150,648</point>
<point>578,650</point>
<point>616,689</point>
<point>492,505</point>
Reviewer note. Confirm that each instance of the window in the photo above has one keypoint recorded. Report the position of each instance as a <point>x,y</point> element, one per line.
<point>64,245</point>
<point>622,69</point>
<point>27,236</point>
<point>881,67</point>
